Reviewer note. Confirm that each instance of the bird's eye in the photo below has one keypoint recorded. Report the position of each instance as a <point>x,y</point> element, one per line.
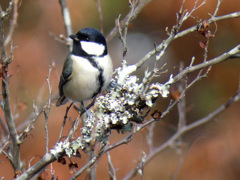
<point>87,39</point>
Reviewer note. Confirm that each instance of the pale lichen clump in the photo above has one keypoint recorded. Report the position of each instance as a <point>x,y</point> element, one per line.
<point>123,104</point>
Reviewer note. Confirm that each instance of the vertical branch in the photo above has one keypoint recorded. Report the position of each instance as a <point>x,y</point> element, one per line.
<point>4,127</point>
<point>138,9</point>
<point>47,109</point>
<point>64,122</point>
<point>112,170</point>
<point>182,104</point>
<point>217,8</point>
<point>66,18</point>
<point>124,30</point>
<point>13,23</point>
<point>150,136</point>
<point>8,116</point>
<point>5,60</point>
<point>90,155</point>
<point>182,121</point>
<point>100,14</point>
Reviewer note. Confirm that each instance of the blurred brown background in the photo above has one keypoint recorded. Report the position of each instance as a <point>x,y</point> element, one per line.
<point>214,153</point>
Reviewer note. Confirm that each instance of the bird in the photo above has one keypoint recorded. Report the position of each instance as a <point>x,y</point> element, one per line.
<point>87,70</point>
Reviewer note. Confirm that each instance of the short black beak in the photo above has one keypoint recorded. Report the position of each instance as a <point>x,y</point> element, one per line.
<point>74,37</point>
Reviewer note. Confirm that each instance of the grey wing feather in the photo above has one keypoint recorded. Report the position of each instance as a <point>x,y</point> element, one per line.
<point>65,77</point>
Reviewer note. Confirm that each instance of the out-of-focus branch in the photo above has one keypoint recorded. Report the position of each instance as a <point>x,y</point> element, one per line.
<point>13,23</point>
<point>112,170</point>
<point>28,124</point>
<point>182,119</point>
<point>66,19</point>
<point>98,2</point>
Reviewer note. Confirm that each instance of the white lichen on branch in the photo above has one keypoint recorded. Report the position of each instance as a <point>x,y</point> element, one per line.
<point>124,104</point>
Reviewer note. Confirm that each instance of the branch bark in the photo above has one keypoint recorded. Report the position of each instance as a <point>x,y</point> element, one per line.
<point>5,60</point>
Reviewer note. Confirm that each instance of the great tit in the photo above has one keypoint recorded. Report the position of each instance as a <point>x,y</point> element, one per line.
<point>87,70</point>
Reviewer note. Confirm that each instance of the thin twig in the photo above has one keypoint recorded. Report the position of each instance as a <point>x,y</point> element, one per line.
<point>47,109</point>
<point>64,121</point>
<point>74,128</point>
<point>85,167</point>
<point>13,23</point>
<point>123,31</point>
<point>150,136</point>
<point>210,21</point>
<point>162,47</point>
<point>217,8</point>
<point>138,9</point>
<point>66,19</point>
<point>98,2</point>
<point>182,104</point>
<point>33,117</point>
<point>111,171</point>
<point>208,63</point>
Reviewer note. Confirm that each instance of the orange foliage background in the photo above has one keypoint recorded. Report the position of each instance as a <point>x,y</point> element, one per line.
<point>214,150</point>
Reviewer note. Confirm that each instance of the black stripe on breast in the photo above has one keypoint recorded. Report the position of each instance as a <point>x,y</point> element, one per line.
<point>100,76</point>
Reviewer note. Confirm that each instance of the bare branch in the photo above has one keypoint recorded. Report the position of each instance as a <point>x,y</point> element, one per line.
<point>46,160</point>
<point>3,125</point>
<point>111,171</point>
<point>182,104</point>
<point>210,21</point>
<point>217,8</point>
<point>15,145</point>
<point>150,136</point>
<point>47,108</point>
<point>13,24</point>
<point>123,28</point>
<point>165,43</point>
<point>162,47</point>
<point>28,124</point>
<point>90,163</point>
<point>98,2</point>
<point>64,121</point>
<point>66,19</point>
<point>184,130</point>
<point>208,63</point>
<point>138,9</point>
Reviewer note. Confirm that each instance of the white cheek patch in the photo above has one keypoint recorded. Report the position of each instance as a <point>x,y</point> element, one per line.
<point>92,48</point>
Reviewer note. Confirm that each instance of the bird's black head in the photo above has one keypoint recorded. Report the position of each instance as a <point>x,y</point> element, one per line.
<point>89,42</point>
